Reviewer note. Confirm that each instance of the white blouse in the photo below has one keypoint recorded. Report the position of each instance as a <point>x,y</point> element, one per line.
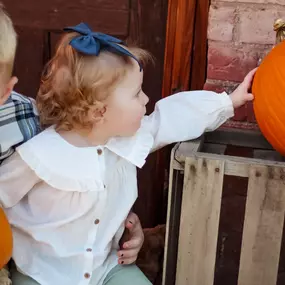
<point>67,205</point>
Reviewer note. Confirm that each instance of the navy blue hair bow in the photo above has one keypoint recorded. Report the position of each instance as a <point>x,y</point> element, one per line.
<point>91,43</point>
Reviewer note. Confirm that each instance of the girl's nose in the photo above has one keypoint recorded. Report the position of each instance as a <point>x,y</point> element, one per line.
<point>145,99</point>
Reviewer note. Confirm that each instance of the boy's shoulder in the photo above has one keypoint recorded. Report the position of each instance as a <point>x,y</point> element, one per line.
<point>19,122</point>
<point>19,99</point>
<point>18,108</point>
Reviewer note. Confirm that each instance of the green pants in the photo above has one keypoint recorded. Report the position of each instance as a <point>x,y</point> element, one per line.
<point>119,275</point>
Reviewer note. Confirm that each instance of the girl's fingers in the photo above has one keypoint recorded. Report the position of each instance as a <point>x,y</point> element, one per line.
<point>127,261</point>
<point>250,97</point>
<point>249,78</point>
<point>133,243</point>
<point>132,253</point>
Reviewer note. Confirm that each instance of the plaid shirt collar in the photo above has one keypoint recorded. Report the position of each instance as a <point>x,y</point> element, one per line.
<point>19,122</point>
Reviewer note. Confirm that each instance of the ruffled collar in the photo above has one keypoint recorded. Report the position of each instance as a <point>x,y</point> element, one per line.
<point>51,157</point>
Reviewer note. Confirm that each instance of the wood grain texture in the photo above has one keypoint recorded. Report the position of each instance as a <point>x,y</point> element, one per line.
<point>62,4</point>
<point>147,29</point>
<point>199,58</point>
<point>173,217</point>
<point>179,44</point>
<point>199,223</point>
<point>186,46</point>
<point>172,227</point>
<point>169,47</point>
<point>238,137</point>
<point>234,165</point>
<point>113,17</point>
<point>263,226</point>
<point>30,60</point>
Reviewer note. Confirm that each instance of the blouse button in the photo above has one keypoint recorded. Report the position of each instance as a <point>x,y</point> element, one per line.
<point>97,221</point>
<point>87,275</point>
<point>99,151</point>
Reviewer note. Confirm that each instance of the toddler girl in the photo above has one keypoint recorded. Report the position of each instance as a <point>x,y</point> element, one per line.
<point>67,191</point>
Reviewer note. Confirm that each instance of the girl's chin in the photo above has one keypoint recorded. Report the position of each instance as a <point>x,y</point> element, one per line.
<point>135,128</point>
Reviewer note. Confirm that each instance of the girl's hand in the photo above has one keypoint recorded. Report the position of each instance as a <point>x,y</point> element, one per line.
<point>135,238</point>
<point>242,95</point>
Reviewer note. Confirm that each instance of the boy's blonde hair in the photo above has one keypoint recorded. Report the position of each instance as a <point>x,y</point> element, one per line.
<point>73,84</point>
<point>8,44</point>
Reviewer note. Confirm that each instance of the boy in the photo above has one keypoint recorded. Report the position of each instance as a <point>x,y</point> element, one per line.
<point>18,116</point>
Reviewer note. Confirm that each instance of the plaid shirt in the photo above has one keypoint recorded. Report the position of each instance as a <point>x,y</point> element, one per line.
<point>19,122</point>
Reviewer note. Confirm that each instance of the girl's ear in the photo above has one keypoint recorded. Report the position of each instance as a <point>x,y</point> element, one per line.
<point>98,112</point>
<point>103,110</point>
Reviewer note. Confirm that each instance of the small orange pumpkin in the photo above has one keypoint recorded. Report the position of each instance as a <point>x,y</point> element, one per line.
<point>269,97</point>
<point>6,239</point>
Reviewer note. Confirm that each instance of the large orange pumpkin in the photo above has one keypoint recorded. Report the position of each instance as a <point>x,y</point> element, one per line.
<point>6,240</point>
<point>269,92</point>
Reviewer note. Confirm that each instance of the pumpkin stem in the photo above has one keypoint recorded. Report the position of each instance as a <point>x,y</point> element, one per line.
<point>279,28</point>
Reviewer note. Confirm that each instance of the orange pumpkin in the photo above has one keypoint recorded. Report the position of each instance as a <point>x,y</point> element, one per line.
<point>269,92</point>
<point>6,239</point>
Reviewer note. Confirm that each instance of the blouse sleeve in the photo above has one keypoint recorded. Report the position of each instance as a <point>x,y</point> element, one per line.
<point>187,115</point>
<point>16,180</point>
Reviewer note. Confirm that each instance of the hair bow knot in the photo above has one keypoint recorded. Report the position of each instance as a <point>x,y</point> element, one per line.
<point>91,43</point>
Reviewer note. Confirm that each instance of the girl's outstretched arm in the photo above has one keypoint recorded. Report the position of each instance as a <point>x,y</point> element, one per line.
<point>187,115</point>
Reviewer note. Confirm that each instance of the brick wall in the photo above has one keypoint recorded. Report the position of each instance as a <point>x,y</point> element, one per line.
<point>240,33</point>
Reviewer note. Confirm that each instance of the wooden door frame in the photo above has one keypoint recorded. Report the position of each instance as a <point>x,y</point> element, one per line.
<point>186,46</point>
<point>185,66</point>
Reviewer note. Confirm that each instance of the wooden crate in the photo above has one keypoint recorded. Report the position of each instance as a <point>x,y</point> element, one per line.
<point>196,182</point>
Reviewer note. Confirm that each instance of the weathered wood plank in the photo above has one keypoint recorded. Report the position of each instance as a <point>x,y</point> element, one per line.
<point>184,149</point>
<point>199,223</point>
<point>188,148</point>
<point>169,47</point>
<point>172,224</point>
<point>236,166</point>
<point>263,226</point>
<point>174,209</point>
<point>214,148</point>
<point>268,155</point>
<point>55,15</point>
<point>170,214</point>
<point>179,46</point>
<point>55,4</point>
<point>29,60</point>
<point>237,137</point>
<point>147,29</point>
<point>199,62</point>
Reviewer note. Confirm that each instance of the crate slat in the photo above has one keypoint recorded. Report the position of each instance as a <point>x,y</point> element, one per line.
<point>236,166</point>
<point>268,155</point>
<point>214,148</point>
<point>264,218</point>
<point>199,222</point>
<point>173,216</point>
<point>237,137</point>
